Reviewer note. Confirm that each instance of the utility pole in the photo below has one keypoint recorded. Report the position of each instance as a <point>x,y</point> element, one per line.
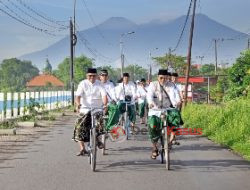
<point>216,55</point>
<point>169,57</point>
<point>121,50</point>
<point>189,53</point>
<point>208,90</point>
<point>73,40</point>
<point>122,55</point>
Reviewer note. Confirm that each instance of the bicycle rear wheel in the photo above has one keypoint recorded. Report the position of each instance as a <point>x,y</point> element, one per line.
<point>166,148</point>
<point>162,150</point>
<point>93,149</point>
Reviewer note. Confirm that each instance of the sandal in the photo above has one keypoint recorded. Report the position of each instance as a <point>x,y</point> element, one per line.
<point>175,143</point>
<point>82,153</point>
<point>155,153</point>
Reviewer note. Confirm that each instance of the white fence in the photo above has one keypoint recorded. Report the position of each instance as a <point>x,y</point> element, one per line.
<point>13,105</point>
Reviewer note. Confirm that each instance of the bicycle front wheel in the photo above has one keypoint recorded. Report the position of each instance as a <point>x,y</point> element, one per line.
<point>126,123</point>
<point>93,149</point>
<point>166,148</point>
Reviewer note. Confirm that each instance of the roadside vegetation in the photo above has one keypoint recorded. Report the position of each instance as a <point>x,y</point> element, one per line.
<point>228,122</point>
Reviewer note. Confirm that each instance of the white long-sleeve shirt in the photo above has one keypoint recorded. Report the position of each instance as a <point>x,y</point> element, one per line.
<point>110,90</point>
<point>157,96</point>
<point>123,90</point>
<point>91,94</point>
<point>141,94</point>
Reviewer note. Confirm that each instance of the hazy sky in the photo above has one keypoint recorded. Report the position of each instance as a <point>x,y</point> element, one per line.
<point>17,39</point>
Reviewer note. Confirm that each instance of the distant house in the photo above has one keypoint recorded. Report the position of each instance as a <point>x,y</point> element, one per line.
<point>45,82</point>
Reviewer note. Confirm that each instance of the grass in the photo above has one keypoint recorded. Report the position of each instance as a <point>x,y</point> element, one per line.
<point>227,124</point>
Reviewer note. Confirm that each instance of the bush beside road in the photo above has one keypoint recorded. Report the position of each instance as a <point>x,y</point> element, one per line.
<point>227,124</point>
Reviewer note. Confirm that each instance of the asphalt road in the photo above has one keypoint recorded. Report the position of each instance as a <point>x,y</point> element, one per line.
<point>49,163</point>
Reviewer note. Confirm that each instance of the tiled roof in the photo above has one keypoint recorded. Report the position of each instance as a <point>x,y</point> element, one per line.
<point>43,80</point>
<point>191,79</point>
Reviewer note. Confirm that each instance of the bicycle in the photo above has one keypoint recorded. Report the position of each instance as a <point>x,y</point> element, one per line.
<point>92,145</point>
<point>165,137</point>
<point>125,119</point>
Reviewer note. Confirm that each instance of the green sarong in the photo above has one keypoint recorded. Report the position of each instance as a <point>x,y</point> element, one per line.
<point>142,109</point>
<point>113,116</point>
<point>155,124</point>
<point>131,111</point>
<point>154,128</point>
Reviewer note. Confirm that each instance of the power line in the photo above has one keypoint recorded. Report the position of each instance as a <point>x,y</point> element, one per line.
<point>184,26</point>
<point>93,51</point>
<point>23,21</point>
<point>94,23</point>
<point>36,19</point>
<point>42,15</point>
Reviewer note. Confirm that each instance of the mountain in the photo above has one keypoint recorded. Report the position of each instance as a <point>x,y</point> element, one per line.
<point>103,40</point>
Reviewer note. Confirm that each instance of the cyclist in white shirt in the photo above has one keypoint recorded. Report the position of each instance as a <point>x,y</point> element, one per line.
<point>109,86</point>
<point>126,91</point>
<point>113,108</point>
<point>142,94</point>
<point>160,95</point>
<point>90,93</point>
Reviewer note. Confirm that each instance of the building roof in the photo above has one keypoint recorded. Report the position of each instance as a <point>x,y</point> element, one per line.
<point>43,80</point>
<point>191,79</point>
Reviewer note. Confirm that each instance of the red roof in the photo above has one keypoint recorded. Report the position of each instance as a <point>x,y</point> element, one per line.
<point>43,80</point>
<point>191,79</point>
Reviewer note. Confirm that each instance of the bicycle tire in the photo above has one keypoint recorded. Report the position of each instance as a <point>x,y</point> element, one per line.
<point>166,148</point>
<point>126,125</point>
<point>162,150</point>
<point>93,149</point>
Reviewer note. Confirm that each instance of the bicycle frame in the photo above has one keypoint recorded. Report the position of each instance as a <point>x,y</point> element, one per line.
<point>92,150</point>
<point>165,153</point>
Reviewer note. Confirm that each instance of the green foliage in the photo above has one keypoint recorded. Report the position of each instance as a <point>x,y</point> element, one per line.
<point>239,77</point>
<point>114,74</point>
<point>207,69</point>
<point>218,91</point>
<point>178,62</point>
<point>80,67</point>
<point>226,124</point>
<point>136,72</point>
<point>14,74</point>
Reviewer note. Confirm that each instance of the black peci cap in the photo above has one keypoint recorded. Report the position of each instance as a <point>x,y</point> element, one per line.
<point>104,72</point>
<point>143,80</point>
<point>163,72</point>
<point>91,70</point>
<point>125,74</point>
<point>174,74</point>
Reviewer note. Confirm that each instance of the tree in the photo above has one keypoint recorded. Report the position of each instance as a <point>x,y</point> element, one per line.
<point>207,69</point>
<point>14,74</point>
<point>239,77</point>
<point>136,72</point>
<point>80,66</point>
<point>178,63</point>
<point>48,67</point>
<point>114,74</point>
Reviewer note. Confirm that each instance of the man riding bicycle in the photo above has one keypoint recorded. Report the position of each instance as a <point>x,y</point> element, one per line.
<point>161,95</point>
<point>90,93</point>
<point>126,91</point>
<point>113,108</point>
<point>141,94</point>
